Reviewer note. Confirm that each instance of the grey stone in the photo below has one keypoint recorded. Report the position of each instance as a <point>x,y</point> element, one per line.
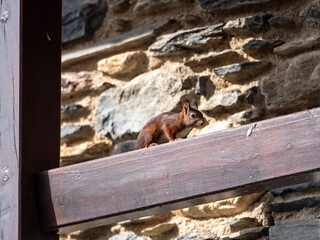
<point>147,7</point>
<point>306,230</point>
<point>295,205</point>
<point>193,39</point>
<point>249,233</point>
<point>242,71</point>
<point>294,188</point>
<point>281,22</point>
<point>120,6</point>
<point>246,116</point>
<point>311,13</point>
<point>223,100</point>
<point>238,224</point>
<point>189,236</point>
<point>72,133</point>
<point>124,42</point>
<point>126,236</point>
<point>219,58</point>
<point>201,86</point>
<point>255,46</point>
<point>227,5</point>
<point>298,46</point>
<point>143,98</point>
<point>247,25</point>
<point>251,94</point>
<point>81,18</point>
<point>294,84</point>
<point>72,111</point>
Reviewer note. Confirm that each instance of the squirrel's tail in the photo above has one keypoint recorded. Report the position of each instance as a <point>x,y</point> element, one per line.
<point>126,146</point>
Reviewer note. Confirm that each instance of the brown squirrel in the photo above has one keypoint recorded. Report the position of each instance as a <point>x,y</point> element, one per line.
<point>165,127</point>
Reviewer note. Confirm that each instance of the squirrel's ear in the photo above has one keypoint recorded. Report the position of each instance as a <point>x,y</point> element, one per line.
<point>194,104</point>
<point>186,107</point>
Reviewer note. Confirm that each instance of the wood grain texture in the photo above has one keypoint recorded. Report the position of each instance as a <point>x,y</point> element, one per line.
<point>220,165</point>
<point>30,55</point>
<point>40,105</point>
<point>9,120</point>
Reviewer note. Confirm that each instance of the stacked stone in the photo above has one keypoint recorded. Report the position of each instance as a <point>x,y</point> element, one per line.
<point>241,63</point>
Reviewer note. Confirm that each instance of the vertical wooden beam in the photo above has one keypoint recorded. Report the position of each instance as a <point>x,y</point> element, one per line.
<point>30,46</point>
<point>9,118</point>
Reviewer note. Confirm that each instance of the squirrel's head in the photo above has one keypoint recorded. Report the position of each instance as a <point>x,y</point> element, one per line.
<point>191,115</point>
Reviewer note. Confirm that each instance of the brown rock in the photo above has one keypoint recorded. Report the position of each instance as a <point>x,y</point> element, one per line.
<point>298,47</point>
<point>84,152</point>
<point>80,84</point>
<point>127,65</point>
<point>249,233</point>
<point>225,57</point>
<point>222,208</point>
<point>246,116</point>
<point>158,229</point>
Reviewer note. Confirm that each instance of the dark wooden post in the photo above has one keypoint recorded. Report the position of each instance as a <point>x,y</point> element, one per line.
<point>30,52</point>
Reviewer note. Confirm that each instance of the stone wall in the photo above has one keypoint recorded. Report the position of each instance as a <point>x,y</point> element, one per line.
<point>243,60</point>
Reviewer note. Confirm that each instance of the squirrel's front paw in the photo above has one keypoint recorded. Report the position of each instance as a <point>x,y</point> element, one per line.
<point>152,144</point>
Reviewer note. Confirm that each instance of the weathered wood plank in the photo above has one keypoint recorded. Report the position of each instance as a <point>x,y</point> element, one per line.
<point>30,47</point>
<point>278,152</point>
<point>9,118</point>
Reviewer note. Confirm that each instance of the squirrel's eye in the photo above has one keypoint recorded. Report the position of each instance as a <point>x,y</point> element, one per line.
<point>192,115</point>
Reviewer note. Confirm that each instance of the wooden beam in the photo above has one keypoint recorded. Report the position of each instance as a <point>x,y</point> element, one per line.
<point>30,63</point>
<point>252,158</point>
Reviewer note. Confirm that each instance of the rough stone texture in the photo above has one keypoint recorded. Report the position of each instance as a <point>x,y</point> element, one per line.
<point>193,39</point>
<point>281,22</point>
<point>293,84</point>
<point>154,218</point>
<point>129,40</point>
<point>294,188</point>
<point>247,25</point>
<point>246,116</point>
<point>289,205</point>
<point>223,100</point>
<point>227,5</point>
<point>250,233</point>
<point>142,99</point>
<point>158,229</point>
<point>126,236</point>
<point>298,47</point>
<point>73,111</point>
<point>72,133</point>
<point>243,71</point>
<point>74,85</point>
<point>295,231</point>
<point>225,57</point>
<point>189,236</point>
<point>220,208</point>
<point>254,46</point>
<point>311,13</point>
<point>238,224</point>
<point>126,65</point>
<point>156,6</point>
<point>81,18</point>
<point>83,152</point>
